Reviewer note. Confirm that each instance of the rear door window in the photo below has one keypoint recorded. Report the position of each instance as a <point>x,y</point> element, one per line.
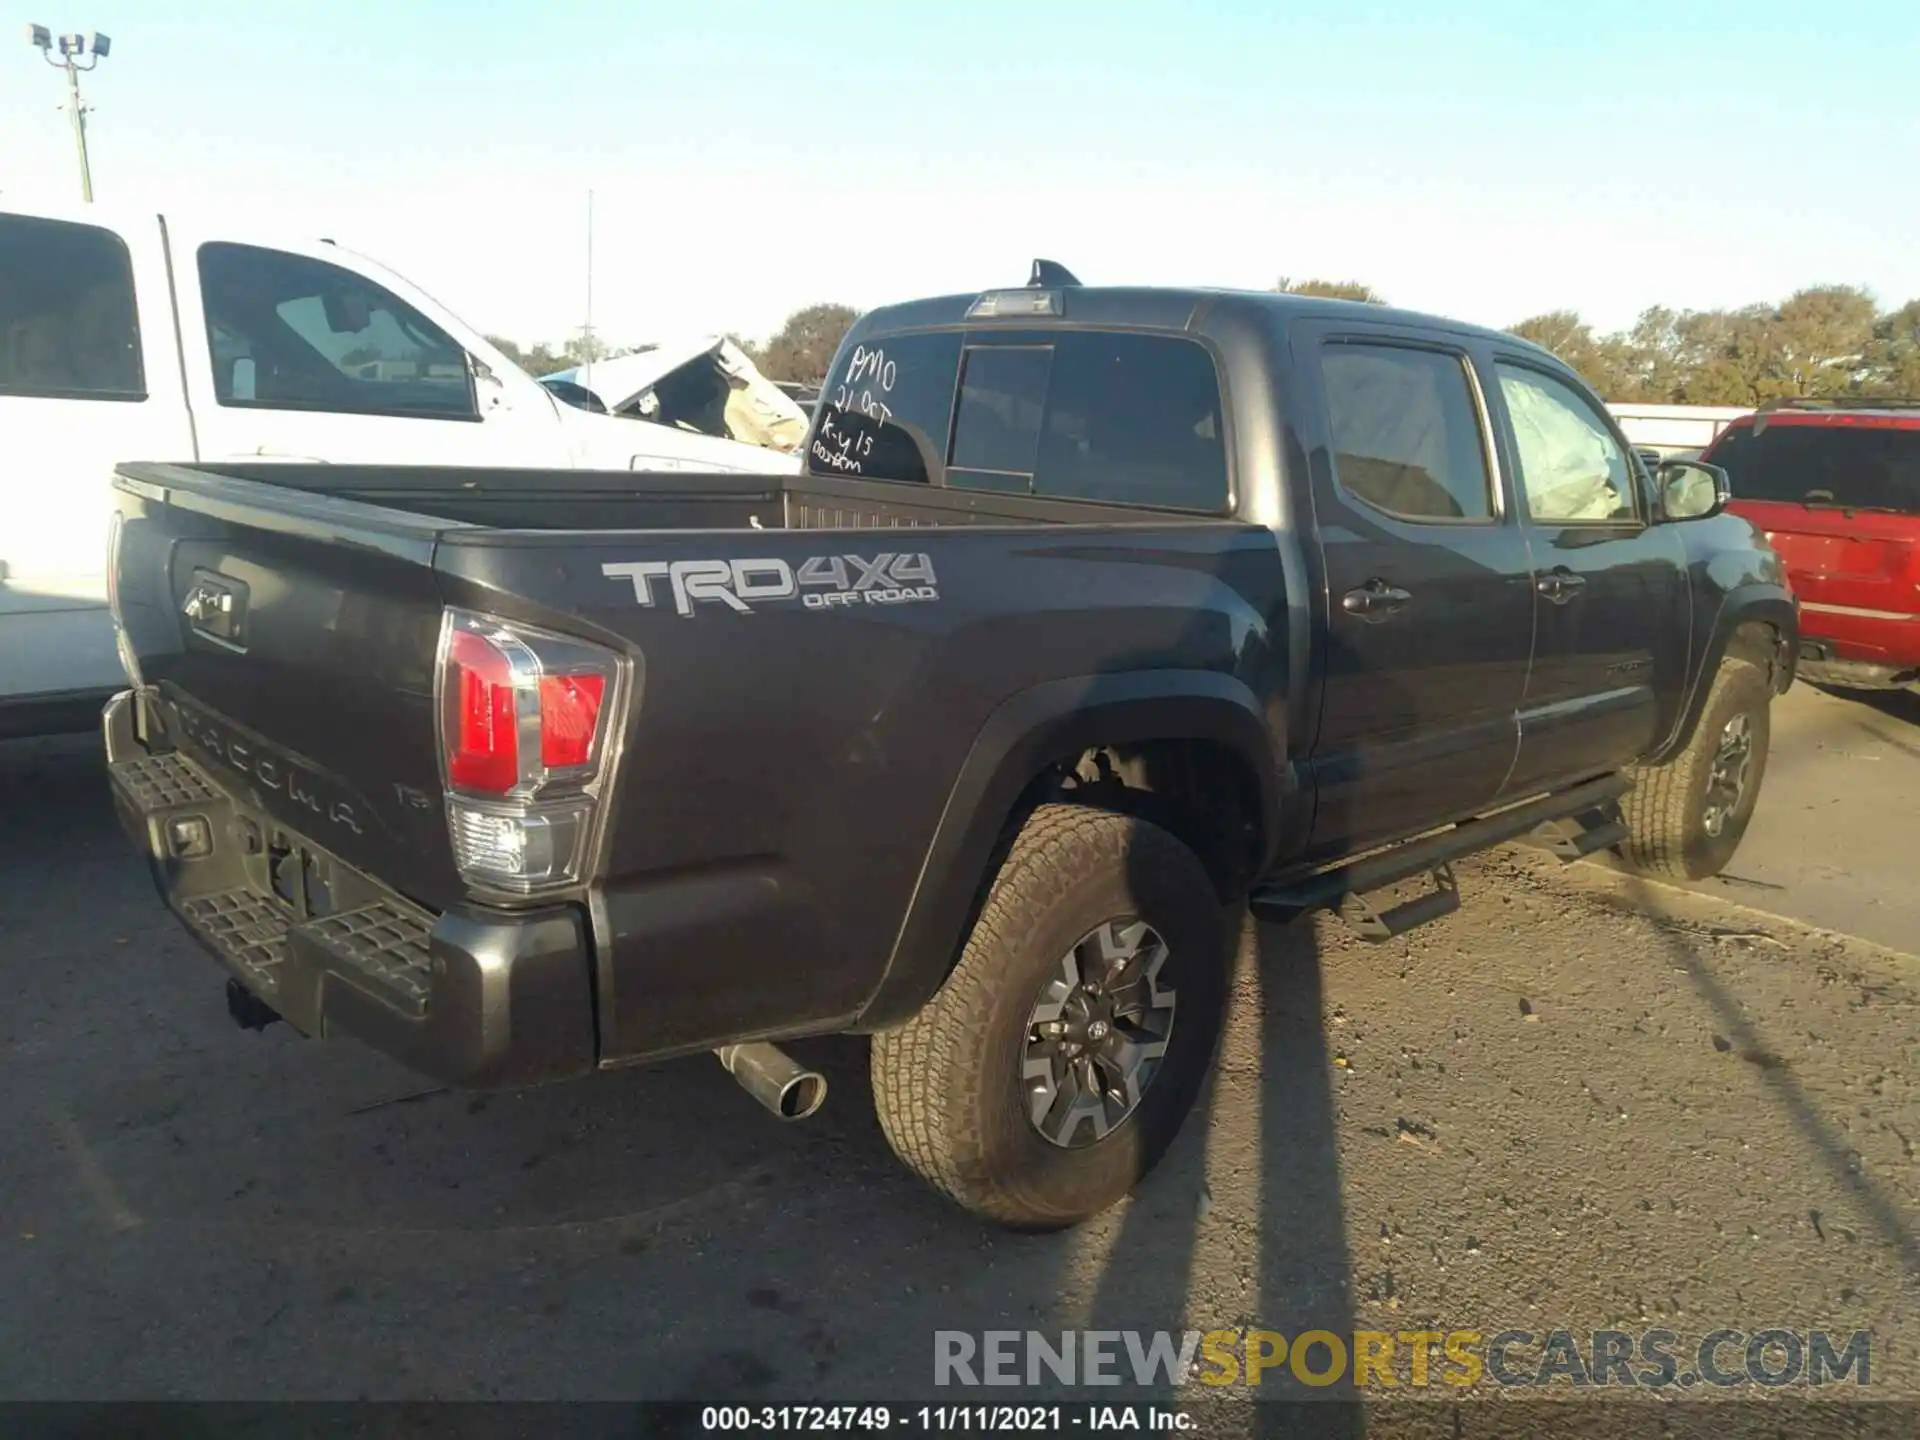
<point>1861,467</point>
<point>1406,433</point>
<point>67,321</point>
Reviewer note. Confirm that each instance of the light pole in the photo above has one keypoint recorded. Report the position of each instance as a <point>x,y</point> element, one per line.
<point>72,49</point>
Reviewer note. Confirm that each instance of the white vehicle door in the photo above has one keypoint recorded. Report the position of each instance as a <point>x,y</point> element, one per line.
<point>298,351</point>
<point>89,377</point>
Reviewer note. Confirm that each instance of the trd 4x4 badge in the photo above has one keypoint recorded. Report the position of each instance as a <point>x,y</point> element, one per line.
<point>823,582</point>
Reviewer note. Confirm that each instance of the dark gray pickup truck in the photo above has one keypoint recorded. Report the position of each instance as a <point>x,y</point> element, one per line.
<point>1096,616</point>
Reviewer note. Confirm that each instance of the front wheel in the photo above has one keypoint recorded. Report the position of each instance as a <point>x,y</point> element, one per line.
<point>1686,818</point>
<point>1055,1066</point>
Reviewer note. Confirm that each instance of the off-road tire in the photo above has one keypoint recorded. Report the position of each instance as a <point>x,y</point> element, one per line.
<point>947,1083</point>
<point>1665,811</point>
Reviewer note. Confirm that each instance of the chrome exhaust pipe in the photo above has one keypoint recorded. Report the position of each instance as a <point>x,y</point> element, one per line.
<point>771,1076</point>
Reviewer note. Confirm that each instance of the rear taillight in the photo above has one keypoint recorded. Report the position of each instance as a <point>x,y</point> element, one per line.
<point>524,740</point>
<point>482,732</point>
<point>569,717</point>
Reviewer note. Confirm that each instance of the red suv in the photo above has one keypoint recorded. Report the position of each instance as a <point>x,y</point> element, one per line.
<point>1836,489</point>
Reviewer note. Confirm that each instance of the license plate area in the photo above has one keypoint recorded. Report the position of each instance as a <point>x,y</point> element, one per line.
<point>306,880</point>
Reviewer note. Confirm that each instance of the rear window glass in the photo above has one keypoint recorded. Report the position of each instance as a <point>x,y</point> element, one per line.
<point>1132,419</point>
<point>996,437</point>
<point>1861,468</point>
<point>885,410</point>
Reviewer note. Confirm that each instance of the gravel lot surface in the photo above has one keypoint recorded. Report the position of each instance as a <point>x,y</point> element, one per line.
<point>1583,1102</point>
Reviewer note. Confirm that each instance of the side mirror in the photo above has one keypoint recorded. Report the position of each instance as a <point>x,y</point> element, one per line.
<point>1690,490</point>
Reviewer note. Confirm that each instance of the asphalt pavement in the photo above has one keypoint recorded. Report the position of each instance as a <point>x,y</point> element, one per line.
<point>1584,1102</point>
<point>1837,831</point>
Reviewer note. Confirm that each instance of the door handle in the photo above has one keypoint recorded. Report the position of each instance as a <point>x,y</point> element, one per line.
<point>1375,600</point>
<point>1560,586</point>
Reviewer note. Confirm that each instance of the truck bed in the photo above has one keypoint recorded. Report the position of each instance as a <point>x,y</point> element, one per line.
<point>782,742</point>
<point>506,499</point>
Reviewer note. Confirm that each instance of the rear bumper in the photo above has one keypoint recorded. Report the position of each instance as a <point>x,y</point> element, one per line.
<point>1856,634</point>
<point>1824,663</point>
<point>470,997</point>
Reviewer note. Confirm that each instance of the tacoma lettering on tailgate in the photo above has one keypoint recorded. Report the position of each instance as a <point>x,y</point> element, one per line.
<point>298,784</point>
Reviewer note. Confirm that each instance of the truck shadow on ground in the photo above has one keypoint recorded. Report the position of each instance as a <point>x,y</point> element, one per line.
<point>1901,725</point>
<point>203,1198</point>
<point>1739,1035</point>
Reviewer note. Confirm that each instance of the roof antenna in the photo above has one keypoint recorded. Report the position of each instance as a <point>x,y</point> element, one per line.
<point>1047,274</point>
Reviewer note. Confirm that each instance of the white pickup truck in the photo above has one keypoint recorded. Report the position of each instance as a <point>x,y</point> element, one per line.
<point>139,336</point>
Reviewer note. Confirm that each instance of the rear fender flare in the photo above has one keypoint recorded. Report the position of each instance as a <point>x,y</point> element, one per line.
<point>1765,604</point>
<point>1024,734</point>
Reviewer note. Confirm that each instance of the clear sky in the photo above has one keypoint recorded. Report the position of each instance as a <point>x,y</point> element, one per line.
<point>1478,158</point>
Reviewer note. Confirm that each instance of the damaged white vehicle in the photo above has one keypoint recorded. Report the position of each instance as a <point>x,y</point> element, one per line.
<point>705,385</point>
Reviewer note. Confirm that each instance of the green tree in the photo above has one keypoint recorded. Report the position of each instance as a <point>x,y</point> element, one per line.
<point>1730,357</point>
<point>507,348</point>
<point>546,358</point>
<point>1602,360</point>
<point>1821,336</point>
<point>1892,366</point>
<point>1331,290</point>
<point>804,346</point>
<point>585,348</point>
<point>1651,354</point>
<point>536,360</point>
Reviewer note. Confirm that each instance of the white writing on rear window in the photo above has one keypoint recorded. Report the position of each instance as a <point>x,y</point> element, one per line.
<point>860,396</point>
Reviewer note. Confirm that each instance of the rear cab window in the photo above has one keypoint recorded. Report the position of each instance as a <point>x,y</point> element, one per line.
<point>1126,418</point>
<point>68,327</point>
<point>1862,464</point>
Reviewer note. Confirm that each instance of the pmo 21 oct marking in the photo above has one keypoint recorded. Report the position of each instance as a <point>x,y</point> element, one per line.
<point>822,582</point>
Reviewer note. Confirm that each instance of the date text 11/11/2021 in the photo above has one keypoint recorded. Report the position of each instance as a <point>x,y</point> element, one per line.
<point>944,1419</point>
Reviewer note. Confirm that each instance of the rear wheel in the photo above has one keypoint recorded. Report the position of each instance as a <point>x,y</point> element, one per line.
<point>1686,817</point>
<point>1054,1067</point>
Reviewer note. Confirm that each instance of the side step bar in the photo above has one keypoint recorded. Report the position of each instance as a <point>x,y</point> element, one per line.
<point>1572,824</point>
<point>1574,837</point>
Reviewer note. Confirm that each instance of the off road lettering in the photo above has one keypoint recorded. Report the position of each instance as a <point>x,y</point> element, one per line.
<point>821,582</point>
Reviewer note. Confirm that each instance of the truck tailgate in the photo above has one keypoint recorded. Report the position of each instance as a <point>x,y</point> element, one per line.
<point>291,647</point>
